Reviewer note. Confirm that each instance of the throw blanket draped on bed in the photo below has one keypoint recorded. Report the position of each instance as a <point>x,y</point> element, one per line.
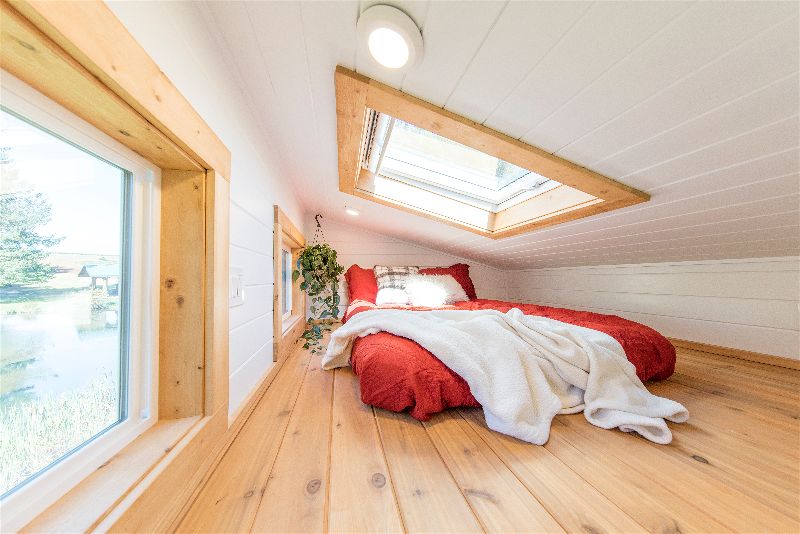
<point>525,369</point>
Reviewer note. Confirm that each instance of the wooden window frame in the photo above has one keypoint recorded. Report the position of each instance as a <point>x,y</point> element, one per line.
<point>79,55</point>
<point>286,315</point>
<point>355,94</point>
<point>286,331</point>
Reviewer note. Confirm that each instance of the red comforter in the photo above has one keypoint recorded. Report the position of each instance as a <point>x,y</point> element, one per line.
<point>397,374</point>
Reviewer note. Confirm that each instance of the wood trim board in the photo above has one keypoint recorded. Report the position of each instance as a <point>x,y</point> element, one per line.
<point>740,354</point>
<point>181,310</point>
<point>217,317</point>
<point>356,93</point>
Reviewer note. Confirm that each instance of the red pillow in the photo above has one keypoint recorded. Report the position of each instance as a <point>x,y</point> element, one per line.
<point>459,271</point>
<point>361,284</point>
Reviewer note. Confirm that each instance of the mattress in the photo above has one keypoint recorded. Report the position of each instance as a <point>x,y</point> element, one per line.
<point>397,374</point>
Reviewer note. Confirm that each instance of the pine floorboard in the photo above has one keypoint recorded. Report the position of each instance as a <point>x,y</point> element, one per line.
<point>312,458</point>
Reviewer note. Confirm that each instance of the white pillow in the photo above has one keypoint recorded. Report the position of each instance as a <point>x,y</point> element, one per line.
<point>434,290</point>
<point>391,295</point>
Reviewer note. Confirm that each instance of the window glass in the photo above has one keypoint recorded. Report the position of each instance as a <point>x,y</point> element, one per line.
<point>428,150</point>
<point>64,222</point>
<point>286,262</point>
<point>406,153</point>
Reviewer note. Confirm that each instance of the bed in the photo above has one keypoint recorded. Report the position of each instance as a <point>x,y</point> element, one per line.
<point>397,374</point>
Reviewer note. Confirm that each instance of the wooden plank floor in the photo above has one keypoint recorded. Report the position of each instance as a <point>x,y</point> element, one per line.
<point>313,458</point>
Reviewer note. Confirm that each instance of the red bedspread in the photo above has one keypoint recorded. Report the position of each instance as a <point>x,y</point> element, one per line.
<point>397,374</point>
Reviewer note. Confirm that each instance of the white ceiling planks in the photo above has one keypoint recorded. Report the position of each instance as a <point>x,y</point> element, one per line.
<point>740,207</point>
<point>453,33</point>
<point>695,103</point>
<point>699,221</point>
<point>765,106</point>
<point>775,137</point>
<point>553,82</point>
<point>520,38</point>
<point>700,35</point>
<point>770,56</point>
<point>329,21</point>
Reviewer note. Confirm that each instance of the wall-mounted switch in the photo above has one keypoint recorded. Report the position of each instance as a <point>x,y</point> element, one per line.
<point>236,287</point>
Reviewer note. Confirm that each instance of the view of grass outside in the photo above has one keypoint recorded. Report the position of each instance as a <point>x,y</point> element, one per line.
<point>60,355</point>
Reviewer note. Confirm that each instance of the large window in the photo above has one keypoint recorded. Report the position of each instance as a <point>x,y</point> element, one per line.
<point>78,253</point>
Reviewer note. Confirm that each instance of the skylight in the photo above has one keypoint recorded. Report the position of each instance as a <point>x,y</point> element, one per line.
<point>402,152</point>
<point>406,153</point>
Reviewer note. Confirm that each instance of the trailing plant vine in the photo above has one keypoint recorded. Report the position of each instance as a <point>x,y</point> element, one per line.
<point>320,271</point>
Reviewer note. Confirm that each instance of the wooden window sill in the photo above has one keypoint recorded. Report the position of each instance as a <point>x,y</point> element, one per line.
<point>290,323</point>
<point>93,499</point>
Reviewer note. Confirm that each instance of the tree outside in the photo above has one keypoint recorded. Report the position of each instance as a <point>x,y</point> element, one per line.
<point>23,249</point>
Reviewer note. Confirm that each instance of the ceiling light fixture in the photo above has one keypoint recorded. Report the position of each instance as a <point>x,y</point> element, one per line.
<point>390,36</point>
<point>351,212</point>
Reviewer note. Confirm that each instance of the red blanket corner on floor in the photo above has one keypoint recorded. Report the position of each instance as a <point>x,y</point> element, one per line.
<point>397,374</point>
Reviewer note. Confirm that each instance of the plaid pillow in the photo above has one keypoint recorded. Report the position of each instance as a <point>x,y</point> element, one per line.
<point>393,277</point>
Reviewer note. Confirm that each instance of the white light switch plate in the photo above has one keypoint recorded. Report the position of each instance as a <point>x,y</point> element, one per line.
<point>236,287</point>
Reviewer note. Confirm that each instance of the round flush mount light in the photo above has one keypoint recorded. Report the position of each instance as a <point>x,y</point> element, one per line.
<point>351,212</point>
<point>390,36</point>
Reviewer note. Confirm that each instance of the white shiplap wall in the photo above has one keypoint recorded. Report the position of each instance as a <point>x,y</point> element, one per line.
<point>357,246</point>
<point>749,304</point>
<point>178,38</point>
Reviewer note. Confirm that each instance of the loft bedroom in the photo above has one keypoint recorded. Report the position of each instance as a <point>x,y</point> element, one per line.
<point>417,266</point>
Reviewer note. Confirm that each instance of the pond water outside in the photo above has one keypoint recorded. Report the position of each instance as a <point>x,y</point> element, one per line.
<point>59,368</point>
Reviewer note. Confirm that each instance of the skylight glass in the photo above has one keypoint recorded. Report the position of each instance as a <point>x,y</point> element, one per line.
<point>406,153</point>
<point>432,152</point>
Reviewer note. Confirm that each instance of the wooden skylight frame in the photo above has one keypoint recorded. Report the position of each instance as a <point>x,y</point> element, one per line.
<point>356,94</point>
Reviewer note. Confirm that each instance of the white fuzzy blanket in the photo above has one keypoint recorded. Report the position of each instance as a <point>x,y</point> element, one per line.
<point>525,369</point>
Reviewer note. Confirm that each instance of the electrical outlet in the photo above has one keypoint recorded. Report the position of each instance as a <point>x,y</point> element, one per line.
<point>236,287</point>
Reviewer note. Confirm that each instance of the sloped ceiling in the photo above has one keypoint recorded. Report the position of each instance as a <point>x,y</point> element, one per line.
<point>695,103</point>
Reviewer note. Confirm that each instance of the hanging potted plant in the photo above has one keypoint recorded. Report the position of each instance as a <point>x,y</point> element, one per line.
<point>320,273</point>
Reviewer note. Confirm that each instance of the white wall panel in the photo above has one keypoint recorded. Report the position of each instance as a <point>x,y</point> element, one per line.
<point>247,338</point>
<point>249,375</point>
<point>257,303</point>
<point>256,266</point>
<point>749,304</point>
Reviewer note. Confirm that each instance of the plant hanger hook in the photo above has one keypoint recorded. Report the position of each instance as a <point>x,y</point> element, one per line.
<point>319,230</point>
